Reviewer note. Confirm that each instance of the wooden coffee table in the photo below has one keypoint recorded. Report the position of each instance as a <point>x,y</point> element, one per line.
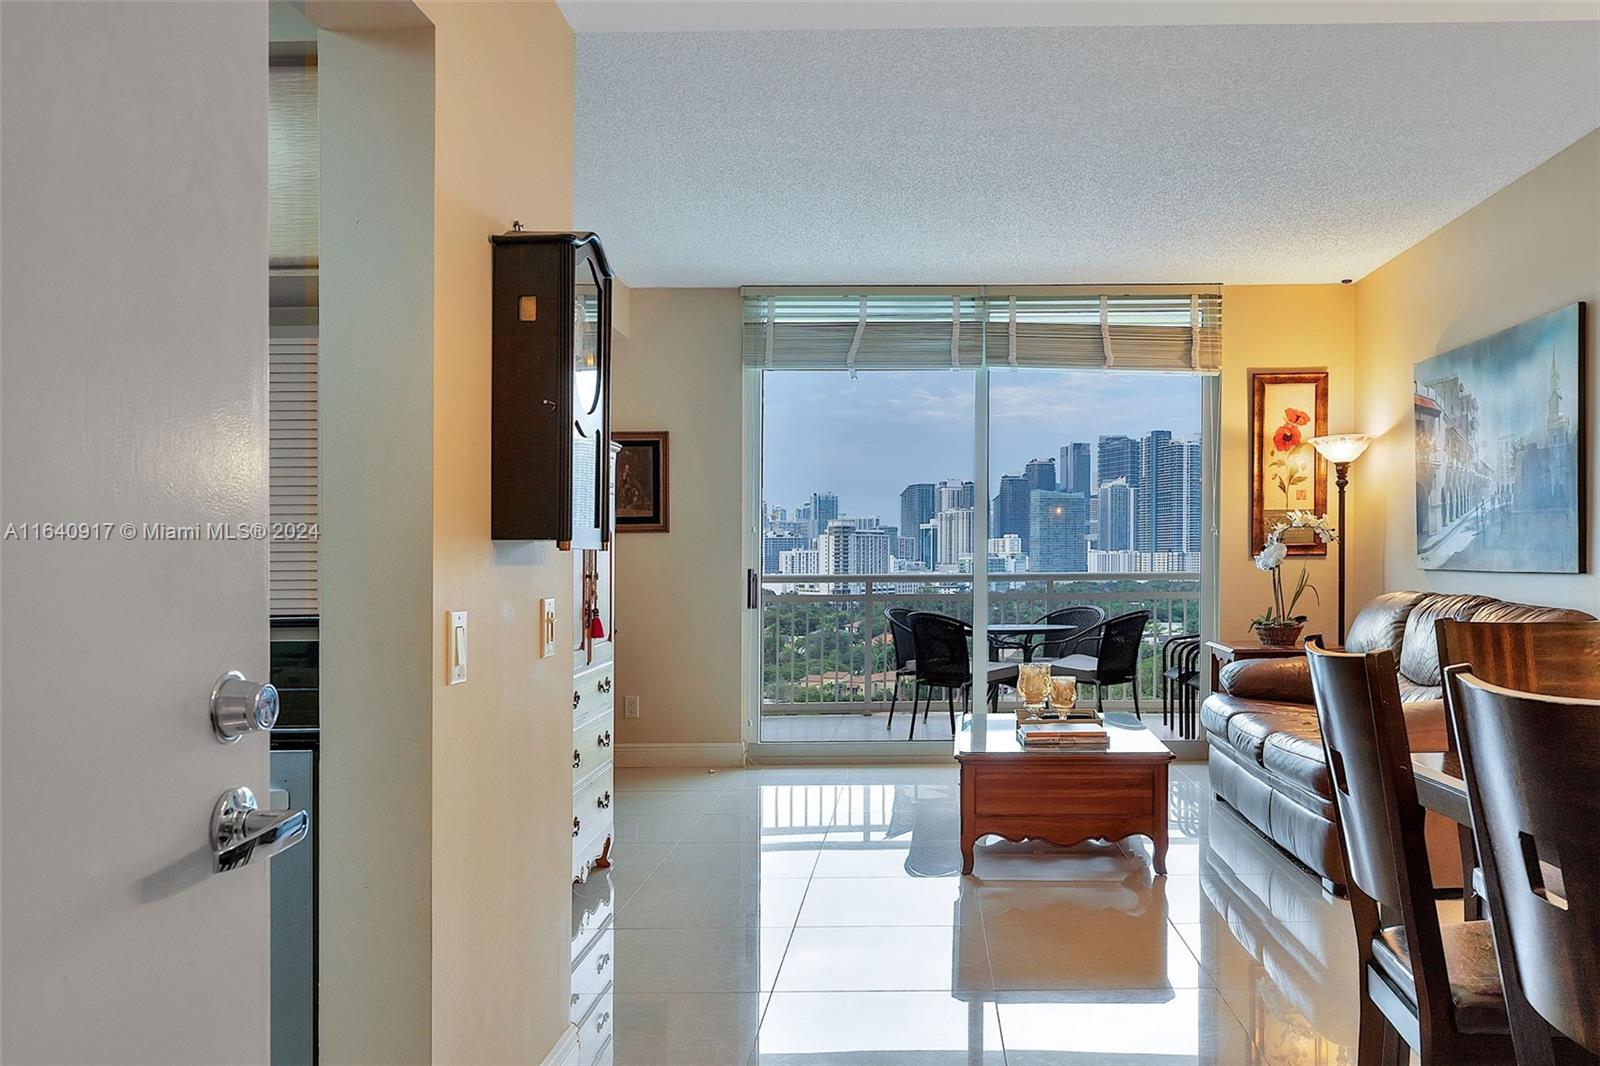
<point>1063,797</point>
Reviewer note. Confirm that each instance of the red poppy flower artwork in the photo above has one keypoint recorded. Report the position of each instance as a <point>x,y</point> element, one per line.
<point>1287,438</point>
<point>1296,417</point>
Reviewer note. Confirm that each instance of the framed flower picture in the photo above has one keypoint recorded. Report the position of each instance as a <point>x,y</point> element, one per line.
<point>1286,474</point>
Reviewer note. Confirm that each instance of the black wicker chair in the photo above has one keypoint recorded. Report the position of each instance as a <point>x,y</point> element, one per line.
<point>1107,654</point>
<point>943,660</point>
<point>905,656</point>
<point>1082,618</point>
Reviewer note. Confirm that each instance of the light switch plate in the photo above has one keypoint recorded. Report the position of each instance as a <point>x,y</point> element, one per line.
<point>455,644</point>
<point>547,627</point>
<point>630,706</point>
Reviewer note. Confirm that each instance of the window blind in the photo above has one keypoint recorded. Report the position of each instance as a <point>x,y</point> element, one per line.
<point>1133,328</point>
<point>292,469</point>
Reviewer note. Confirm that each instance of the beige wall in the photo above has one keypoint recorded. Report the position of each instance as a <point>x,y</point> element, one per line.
<point>1279,327</point>
<point>680,594</point>
<point>1532,247</point>
<point>500,763</point>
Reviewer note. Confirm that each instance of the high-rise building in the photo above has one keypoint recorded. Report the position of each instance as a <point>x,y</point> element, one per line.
<point>844,549</point>
<point>1118,458</point>
<point>1152,453</point>
<point>956,526</point>
<point>866,521</point>
<point>916,507</point>
<point>954,494</point>
<point>1177,497</point>
<point>775,543</point>
<point>1010,513</point>
<point>1075,468</point>
<point>1058,531</point>
<point>824,509</point>
<point>928,543</point>
<point>1116,519</point>
<point>1040,474</point>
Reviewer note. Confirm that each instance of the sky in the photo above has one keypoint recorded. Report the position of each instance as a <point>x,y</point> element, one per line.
<point>869,437</point>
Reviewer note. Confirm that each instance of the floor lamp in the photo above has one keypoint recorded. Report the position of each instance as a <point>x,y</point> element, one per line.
<point>1341,449</point>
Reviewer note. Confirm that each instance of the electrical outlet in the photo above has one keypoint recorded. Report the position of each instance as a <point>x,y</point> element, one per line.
<point>630,707</point>
<point>547,627</point>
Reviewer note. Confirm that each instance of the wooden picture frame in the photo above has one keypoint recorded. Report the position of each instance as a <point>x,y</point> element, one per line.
<point>1287,409</point>
<point>643,483</point>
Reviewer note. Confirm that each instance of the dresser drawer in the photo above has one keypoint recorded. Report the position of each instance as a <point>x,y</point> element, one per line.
<point>592,973</point>
<point>594,1029</point>
<point>591,692</point>
<point>591,746</point>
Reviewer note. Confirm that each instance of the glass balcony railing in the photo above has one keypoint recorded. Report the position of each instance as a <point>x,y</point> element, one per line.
<point>826,648</point>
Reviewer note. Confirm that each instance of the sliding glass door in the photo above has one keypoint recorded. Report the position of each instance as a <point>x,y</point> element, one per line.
<point>971,457</point>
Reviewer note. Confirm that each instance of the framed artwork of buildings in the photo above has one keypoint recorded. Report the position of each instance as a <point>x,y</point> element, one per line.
<point>1499,453</point>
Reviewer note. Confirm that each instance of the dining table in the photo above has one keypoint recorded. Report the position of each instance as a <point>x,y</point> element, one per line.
<point>1442,788</point>
<point>1031,634</point>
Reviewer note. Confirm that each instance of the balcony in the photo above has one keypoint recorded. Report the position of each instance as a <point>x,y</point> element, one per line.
<point>826,649</point>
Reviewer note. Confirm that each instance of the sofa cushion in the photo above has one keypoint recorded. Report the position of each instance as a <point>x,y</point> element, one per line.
<point>1287,680</point>
<point>1381,624</point>
<point>1419,651</point>
<point>1248,731</point>
<point>1294,754</point>
<point>1218,708</point>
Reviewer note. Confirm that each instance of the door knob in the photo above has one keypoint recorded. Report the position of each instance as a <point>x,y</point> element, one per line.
<point>240,832</point>
<point>240,706</point>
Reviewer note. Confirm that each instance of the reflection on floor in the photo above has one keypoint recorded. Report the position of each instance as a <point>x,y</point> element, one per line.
<point>816,915</point>
<point>862,727</point>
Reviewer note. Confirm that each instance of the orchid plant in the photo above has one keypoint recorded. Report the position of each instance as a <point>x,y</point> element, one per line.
<point>1271,560</point>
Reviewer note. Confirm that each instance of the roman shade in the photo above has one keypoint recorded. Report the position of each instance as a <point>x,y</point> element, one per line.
<point>1167,328</point>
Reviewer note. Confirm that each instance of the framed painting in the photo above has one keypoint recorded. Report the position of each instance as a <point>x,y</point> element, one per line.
<point>643,488</point>
<point>1499,428</point>
<point>1286,473</point>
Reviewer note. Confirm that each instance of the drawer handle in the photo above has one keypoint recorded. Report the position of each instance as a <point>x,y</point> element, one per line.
<point>604,685</point>
<point>602,963</point>
<point>576,825</point>
<point>603,801</point>
<point>576,699</point>
<point>601,1022</point>
<point>577,758</point>
<point>604,739</point>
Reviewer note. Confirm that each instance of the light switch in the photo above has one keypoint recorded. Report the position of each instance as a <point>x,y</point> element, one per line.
<point>547,627</point>
<point>456,653</point>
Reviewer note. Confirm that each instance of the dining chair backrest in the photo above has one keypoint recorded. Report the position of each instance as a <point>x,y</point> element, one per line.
<point>1375,797</point>
<point>942,649</point>
<point>905,647</point>
<point>1080,617</point>
<point>1552,658</point>
<point>1120,640</point>
<point>1530,763</point>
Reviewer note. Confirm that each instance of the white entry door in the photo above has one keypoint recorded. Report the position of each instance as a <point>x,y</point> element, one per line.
<point>134,385</point>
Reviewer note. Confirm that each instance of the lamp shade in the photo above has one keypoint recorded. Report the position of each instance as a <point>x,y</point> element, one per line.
<point>1341,447</point>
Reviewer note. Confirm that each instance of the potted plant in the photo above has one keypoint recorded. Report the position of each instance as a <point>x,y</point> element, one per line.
<point>1280,626</point>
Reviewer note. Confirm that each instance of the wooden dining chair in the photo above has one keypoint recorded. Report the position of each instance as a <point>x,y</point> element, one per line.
<point>1433,988</point>
<point>1530,762</point>
<point>1554,658</point>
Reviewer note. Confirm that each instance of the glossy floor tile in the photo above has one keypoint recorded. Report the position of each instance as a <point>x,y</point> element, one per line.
<point>817,915</point>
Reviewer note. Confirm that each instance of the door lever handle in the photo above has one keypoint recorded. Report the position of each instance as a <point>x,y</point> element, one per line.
<point>240,832</point>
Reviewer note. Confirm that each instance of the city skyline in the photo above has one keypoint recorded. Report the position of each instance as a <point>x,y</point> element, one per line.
<point>864,438</point>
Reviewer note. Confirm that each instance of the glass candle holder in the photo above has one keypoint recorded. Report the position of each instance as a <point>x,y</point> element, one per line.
<point>1063,693</point>
<point>1033,683</point>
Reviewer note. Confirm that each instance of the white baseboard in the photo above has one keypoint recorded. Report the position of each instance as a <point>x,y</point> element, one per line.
<point>566,1050</point>
<point>680,754</point>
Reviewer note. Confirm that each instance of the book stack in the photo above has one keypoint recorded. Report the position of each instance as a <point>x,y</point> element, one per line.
<point>1065,735</point>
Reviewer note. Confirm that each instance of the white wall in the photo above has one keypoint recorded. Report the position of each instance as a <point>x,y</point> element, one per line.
<point>1532,247</point>
<point>680,595</point>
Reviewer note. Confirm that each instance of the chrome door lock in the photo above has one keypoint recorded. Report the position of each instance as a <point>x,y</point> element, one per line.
<point>240,706</point>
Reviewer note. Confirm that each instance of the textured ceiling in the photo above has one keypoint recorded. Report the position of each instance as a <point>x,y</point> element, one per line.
<point>1240,154</point>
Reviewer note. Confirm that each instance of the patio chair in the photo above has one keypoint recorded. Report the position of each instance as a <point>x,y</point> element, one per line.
<point>1081,617</point>
<point>1180,673</point>
<point>942,661</point>
<point>905,655</point>
<point>1107,654</point>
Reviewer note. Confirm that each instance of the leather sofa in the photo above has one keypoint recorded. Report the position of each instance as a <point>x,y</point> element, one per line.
<point>1267,761</point>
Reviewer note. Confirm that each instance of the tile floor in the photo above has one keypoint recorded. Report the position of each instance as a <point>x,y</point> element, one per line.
<point>817,915</point>
<point>875,726</point>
